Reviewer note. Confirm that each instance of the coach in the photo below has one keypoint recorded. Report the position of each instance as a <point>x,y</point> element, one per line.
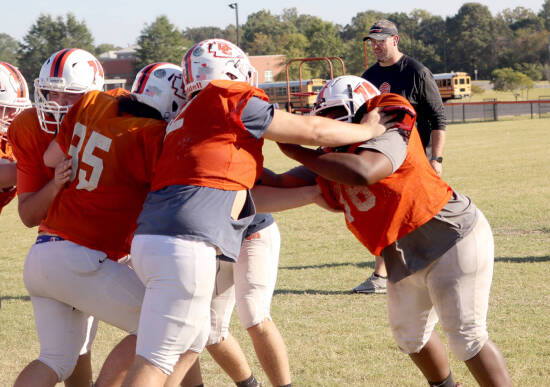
<point>401,74</point>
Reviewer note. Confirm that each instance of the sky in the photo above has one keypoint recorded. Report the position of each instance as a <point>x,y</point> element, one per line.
<point>120,22</point>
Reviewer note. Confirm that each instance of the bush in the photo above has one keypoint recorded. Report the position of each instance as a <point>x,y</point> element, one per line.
<point>508,79</point>
<point>477,90</point>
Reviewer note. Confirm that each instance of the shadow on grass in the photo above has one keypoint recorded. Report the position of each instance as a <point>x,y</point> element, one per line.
<point>314,292</point>
<point>17,298</point>
<point>523,259</point>
<point>329,265</point>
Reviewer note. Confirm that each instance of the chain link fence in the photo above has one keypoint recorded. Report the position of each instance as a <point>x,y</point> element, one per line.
<point>493,110</point>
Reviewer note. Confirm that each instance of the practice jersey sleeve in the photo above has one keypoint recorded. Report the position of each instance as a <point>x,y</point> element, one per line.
<point>28,143</point>
<point>392,143</point>
<point>257,116</point>
<point>8,193</point>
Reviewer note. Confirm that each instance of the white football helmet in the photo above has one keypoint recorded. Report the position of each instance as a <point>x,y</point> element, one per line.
<point>215,59</point>
<point>72,71</point>
<point>14,95</point>
<point>348,91</point>
<point>160,86</point>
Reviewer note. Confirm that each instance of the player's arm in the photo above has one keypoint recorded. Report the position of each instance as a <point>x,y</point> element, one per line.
<point>8,174</point>
<point>364,168</point>
<point>314,130</point>
<point>53,155</point>
<point>275,199</point>
<point>33,206</point>
<point>295,177</point>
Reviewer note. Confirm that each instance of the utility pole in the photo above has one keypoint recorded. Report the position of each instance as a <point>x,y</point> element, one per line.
<point>235,6</point>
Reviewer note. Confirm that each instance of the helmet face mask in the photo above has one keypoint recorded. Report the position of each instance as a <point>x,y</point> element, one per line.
<point>160,86</point>
<point>345,94</point>
<point>70,71</point>
<point>14,95</point>
<point>215,59</point>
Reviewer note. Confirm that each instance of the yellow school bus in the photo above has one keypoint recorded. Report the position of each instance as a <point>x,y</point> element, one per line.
<point>454,85</point>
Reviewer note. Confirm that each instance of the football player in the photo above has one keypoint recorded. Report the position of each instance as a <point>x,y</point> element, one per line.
<point>200,206</point>
<point>63,78</point>
<point>14,98</point>
<point>71,272</point>
<point>437,245</point>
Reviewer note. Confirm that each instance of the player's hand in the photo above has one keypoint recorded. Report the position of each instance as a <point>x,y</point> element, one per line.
<point>377,121</point>
<point>62,173</point>
<point>321,202</point>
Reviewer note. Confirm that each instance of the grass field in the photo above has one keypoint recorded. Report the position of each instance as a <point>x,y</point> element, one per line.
<point>336,338</point>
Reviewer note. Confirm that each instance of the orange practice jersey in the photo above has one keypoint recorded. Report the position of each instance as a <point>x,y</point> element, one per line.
<point>381,213</point>
<point>6,194</point>
<point>113,161</point>
<point>208,145</point>
<point>29,142</point>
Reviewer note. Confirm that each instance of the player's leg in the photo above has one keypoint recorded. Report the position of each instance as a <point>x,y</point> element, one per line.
<point>221,345</point>
<point>255,278</point>
<point>460,284</point>
<point>85,279</point>
<point>82,373</point>
<point>412,320</point>
<point>117,363</point>
<point>62,329</point>
<point>192,378</point>
<point>179,275</point>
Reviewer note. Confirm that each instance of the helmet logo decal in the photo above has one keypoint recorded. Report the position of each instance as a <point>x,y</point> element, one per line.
<point>198,51</point>
<point>94,64</point>
<point>221,50</point>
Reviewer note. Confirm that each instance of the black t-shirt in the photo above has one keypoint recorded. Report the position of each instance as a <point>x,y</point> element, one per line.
<point>415,82</point>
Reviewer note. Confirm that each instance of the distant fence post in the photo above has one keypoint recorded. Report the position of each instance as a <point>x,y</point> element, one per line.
<point>495,114</point>
<point>542,109</point>
<point>463,112</point>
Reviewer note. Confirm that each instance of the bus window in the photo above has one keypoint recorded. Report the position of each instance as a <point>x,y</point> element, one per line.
<point>461,81</point>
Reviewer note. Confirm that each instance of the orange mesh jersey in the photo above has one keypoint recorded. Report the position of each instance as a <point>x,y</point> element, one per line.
<point>381,213</point>
<point>29,143</point>
<point>208,145</point>
<point>6,194</point>
<point>113,161</point>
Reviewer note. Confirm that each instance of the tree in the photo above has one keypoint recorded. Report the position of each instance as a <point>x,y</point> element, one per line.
<point>198,34</point>
<point>104,47</point>
<point>471,35</point>
<point>48,35</point>
<point>544,14</point>
<point>508,79</point>
<point>160,42</point>
<point>8,49</point>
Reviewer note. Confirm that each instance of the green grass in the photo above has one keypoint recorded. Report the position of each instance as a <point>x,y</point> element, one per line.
<point>336,338</point>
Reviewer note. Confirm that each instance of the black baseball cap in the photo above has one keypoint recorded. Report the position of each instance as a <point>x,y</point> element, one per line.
<point>382,30</point>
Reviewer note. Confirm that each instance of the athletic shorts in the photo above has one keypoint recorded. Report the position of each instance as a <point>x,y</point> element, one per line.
<point>250,281</point>
<point>68,283</point>
<point>179,276</point>
<point>454,290</point>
